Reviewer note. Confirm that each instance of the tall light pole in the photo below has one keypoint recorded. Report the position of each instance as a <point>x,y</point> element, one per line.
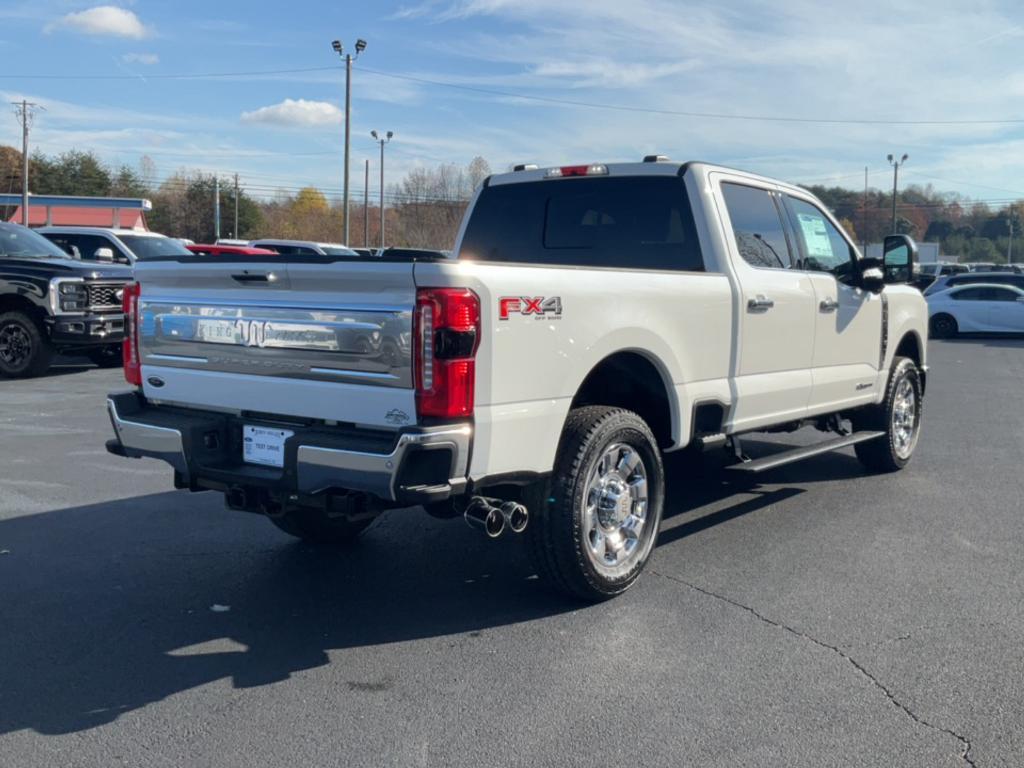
<point>366,205</point>
<point>382,140</point>
<point>895,180</point>
<point>338,49</point>
<point>25,111</point>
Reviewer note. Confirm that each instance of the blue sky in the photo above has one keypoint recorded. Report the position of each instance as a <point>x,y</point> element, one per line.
<point>939,60</point>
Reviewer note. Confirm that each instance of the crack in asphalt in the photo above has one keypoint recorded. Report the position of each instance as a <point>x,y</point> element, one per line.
<point>965,743</point>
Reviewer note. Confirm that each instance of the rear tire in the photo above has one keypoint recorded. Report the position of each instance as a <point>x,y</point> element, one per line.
<point>25,351</point>
<point>944,326</point>
<point>316,526</point>
<point>899,416</point>
<point>594,527</point>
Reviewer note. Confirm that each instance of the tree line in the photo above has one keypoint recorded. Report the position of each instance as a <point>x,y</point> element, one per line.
<point>425,208</point>
<point>971,231</point>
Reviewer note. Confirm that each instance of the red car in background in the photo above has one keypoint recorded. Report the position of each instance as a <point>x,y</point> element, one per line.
<point>201,249</point>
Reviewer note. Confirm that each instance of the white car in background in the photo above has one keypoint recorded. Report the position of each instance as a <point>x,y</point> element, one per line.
<point>976,308</point>
<point>123,246</point>
<point>303,247</point>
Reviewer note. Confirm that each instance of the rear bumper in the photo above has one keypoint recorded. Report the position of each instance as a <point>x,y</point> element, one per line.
<point>205,449</point>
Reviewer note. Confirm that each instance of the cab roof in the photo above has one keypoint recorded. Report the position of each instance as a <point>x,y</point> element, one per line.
<point>651,166</point>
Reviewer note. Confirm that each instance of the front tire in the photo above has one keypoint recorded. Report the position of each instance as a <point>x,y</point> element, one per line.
<point>944,326</point>
<point>899,416</point>
<point>318,527</point>
<point>24,349</point>
<point>594,531</point>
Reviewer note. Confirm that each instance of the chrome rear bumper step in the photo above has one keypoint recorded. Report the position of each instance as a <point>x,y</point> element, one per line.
<point>755,466</point>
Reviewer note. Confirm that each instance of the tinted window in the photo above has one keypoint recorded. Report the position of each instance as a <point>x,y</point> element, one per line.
<point>971,294</point>
<point>151,247</point>
<point>824,248</point>
<point>22,243</point>
<point>625,222</point>
<point>757,226</point>
<point>87,245</point>
<point>1001,294</point>
<point>1007,278</point>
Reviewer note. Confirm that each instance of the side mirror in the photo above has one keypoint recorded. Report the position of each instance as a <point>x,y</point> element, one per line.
<point>104,254</point>
<point>899,257</point>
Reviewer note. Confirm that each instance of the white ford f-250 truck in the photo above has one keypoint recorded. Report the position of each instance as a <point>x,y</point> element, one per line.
<point>589,319</point>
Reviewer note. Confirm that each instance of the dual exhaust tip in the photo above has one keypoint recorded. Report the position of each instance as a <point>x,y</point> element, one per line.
<point>493,520</point>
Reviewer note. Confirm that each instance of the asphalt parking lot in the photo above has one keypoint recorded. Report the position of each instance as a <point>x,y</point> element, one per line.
<point>821,618</point>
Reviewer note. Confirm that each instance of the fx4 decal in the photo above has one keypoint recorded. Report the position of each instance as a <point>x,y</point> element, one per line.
<point>541,307</point>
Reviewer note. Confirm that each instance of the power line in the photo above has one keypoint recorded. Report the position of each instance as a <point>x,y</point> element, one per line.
<point>175,76</point>
<point>681,113</point>
<point>514,95</point>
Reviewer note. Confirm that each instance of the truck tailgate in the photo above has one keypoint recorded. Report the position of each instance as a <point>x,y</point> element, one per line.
<point>317,339</point>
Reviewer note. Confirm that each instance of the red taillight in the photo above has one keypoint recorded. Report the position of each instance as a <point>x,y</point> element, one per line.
<point>447,333</point>
<point>130,346</point>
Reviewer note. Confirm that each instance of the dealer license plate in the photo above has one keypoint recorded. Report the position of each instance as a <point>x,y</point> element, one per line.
<point>262,445</point>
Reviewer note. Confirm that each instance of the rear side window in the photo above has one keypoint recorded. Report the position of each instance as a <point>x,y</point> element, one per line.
<point>631,222</point>
<point>971,294</point>
<point>757,226</point>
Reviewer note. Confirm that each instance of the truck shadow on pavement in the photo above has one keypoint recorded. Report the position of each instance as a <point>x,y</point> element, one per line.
<point>112,606</point>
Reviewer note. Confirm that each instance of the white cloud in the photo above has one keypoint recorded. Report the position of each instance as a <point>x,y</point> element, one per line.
<point>104,20</point>
<point>295,113</point>
<point>140,58</point>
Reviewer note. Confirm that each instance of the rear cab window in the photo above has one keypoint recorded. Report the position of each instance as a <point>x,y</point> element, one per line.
<point>621,222</point>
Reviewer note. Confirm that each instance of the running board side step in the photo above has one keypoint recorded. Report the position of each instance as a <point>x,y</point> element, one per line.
<point>765,463</point>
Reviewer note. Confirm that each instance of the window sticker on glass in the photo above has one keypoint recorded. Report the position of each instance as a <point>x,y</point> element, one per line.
<point>815,236</point>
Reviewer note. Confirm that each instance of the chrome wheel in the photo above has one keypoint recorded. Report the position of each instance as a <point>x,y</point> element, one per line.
<point>15,345</point>
<point>616,510</point>
<point>904,419</point>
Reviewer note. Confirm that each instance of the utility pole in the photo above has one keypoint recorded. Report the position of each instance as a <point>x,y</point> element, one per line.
<point>864,214</point>
<point>235,231</point>
<point>895,177</point>
<point>382,140</point>
<point>338,49</point>
<point>216,208</point>
<point>1009,245</point>
<point>366,205</point>
<point>25,111</point>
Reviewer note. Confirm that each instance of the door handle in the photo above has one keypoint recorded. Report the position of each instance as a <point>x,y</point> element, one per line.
<point>257,277</point>
<point>828,305</point>
<point>760,303</point>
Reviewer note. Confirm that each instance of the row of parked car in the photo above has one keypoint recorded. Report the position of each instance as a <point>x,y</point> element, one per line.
<point>61,288</point>
<point>126,246</point>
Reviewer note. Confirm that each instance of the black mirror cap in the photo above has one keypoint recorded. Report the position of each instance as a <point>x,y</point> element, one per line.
<point>899,259</point>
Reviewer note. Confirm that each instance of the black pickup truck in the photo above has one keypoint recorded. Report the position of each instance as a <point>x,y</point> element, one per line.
<point>51,302</point>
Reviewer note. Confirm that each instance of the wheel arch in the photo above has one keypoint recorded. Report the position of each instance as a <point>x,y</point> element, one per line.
<point>638,381</point>
<point>911,345</point>
<point>14,302</point>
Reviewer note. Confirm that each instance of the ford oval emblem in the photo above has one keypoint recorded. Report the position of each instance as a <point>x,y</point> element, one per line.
<point>156,381</point>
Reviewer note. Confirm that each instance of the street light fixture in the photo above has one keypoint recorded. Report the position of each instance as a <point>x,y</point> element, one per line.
<point>339,49</point>
<point>382,141</point>
<point>895,177</point>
